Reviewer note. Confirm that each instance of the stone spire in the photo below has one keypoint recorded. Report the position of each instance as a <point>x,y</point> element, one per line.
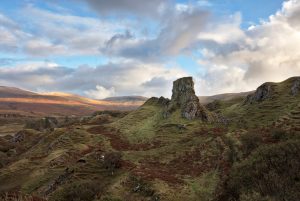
<point>184,97</point>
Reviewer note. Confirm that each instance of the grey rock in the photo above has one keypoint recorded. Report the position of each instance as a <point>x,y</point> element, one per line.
<point>184,97</point>
<point>42,124</point>
<point>295,87</point>
<point>18,137</point>
<point>59,181</point>
<point>262,93</point>
<point>157,101</point>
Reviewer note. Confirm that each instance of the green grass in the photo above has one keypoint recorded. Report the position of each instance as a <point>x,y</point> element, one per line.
<point>204,188</point>
<point>261,113</point>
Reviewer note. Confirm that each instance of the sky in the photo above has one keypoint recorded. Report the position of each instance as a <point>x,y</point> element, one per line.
<point>100,48</point>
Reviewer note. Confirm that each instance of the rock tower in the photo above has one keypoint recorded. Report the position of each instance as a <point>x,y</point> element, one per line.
<point>184,98</point>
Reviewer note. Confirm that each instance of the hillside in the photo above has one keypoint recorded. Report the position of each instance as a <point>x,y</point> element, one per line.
<point>168,149</point>
<point>223,97</point>
<point>271,103</point>
<point>25,103</point>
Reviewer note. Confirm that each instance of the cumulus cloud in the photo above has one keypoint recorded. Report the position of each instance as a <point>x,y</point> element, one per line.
<point>52,33</point>
<point>179,32</point>
<point>269,51</point>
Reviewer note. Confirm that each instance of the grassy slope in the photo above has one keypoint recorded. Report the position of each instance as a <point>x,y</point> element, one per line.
<point>176,163</point>
<point>282,105</point>
<point>155,149</point>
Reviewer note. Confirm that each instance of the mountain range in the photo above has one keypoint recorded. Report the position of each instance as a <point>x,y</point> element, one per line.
<point>14,100</point>
<point>17,101</point>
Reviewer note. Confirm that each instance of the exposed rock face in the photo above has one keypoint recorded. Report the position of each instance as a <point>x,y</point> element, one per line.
<point>19,137</point>
<point>42,124</point>
<point>158,101</point>
<point>262,93</point>
<point>184,97</point>
<point>295,87</point>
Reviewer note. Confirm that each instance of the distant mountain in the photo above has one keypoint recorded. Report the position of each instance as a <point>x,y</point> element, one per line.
<point>26,103</point>
<point>14,92</point>
<point>126,99</point>
<point>14,100</point>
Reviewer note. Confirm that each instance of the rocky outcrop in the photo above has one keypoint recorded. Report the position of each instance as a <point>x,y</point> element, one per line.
<point>158,101</point>
<point>42,124</point>
<point>19,136</point>
<point>262,93</point>
<point>63,178</point>
<point>185,99</point>
<point>295,88</point>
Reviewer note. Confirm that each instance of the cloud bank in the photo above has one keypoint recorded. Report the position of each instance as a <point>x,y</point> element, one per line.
<point>96,82</point>
<point>141,40</point>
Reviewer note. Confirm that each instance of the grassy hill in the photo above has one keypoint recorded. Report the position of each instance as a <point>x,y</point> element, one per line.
<point>223,97</point>
<point>145,155</point>
<point>279,107</point>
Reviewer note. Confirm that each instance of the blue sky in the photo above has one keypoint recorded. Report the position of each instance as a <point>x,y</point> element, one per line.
<point>262,10</point>
<point>101,48</point>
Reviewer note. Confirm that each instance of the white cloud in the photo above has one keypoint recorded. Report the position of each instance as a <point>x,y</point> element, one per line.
<point>126,78</point>
<point>100,92</point>
<point>204,3</point>
<point>56,34</point>
<point>269,51</point>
